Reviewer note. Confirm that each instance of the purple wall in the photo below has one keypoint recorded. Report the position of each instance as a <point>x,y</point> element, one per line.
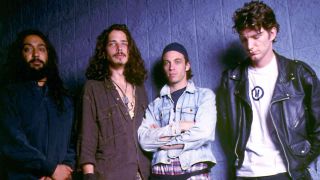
<point>203,26</point>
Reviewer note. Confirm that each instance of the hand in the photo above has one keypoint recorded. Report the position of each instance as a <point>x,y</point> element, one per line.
<point>186,125</point>
<point>62,172</point>
<point>154,126</point>
<point>175,146</point>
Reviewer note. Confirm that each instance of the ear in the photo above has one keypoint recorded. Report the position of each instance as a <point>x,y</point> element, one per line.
<point>187,66</point>
<point>273,33</point>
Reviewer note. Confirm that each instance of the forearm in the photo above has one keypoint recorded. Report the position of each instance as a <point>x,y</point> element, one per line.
<point>151,139</point>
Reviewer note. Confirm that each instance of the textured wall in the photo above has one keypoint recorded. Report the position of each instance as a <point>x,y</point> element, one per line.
<point>203,26</point>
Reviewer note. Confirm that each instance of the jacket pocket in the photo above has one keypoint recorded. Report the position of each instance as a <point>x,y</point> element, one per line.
<point>164,116</point>
<point>301,148</point>
<point>188,113</point>
<point>111,125</point>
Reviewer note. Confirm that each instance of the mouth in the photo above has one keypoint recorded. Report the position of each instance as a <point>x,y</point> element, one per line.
<point>252,53</point>
<point>172,75</point>
<point>120,55</point>
<point>36,62</point>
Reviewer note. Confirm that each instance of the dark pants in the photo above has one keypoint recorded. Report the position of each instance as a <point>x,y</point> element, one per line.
<point>281,176</point>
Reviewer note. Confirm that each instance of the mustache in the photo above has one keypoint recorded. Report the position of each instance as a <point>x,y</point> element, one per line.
<point>120,53</point>
<point>36,60</point>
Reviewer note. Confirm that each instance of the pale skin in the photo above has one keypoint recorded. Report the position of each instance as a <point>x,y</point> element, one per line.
<point>118,54</point>
<point>35,52</point>
<point>175,68</point>
<point>258,45</point>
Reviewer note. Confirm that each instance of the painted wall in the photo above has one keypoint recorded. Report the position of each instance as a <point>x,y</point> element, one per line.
<point>203,26</point>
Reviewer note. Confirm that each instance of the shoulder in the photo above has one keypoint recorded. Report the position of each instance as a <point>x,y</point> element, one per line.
<point>17,88</point>
<point>92,83</point>
<point>302,66</point>
<point>297,66</point>
<point>236,72</point>
<point>205,93</point>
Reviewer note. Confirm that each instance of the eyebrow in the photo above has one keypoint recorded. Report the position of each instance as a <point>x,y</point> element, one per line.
<point>113,40</point>
<point>32,45</point>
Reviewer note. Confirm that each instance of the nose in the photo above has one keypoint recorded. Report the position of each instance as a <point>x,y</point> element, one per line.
<point>119,48</point>
<point>250,44</point>
<point>35,53</point>
<point>171,66</point>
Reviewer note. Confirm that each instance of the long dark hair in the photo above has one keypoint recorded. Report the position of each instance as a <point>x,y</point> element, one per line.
<point>135,72</point>
<point>17,67</point>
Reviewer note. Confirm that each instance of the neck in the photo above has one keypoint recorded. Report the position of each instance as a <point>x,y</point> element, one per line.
<point>177,86</point>
<point>42,82</point>
<point>265,61</point>
<point>117,75</point>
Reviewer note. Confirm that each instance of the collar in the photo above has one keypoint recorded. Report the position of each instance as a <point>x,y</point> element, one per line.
<point>165,90</point>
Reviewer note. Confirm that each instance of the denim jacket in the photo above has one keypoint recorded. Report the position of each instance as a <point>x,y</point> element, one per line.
<point>195,104</point>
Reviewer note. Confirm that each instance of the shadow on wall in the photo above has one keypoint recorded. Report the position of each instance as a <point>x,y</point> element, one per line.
<point>157,74</point>
<point>229,58</point>
<point>233,55</point>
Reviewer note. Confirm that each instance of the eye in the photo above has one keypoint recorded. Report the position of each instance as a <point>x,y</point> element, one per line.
<point>27,49</point>
<point>257,36</point>
<point>42,49</point>
<point>178,61</point>
<point>243,39</point>
<point>165,63</point>
<point>124,44</point>
<point>112,44</point>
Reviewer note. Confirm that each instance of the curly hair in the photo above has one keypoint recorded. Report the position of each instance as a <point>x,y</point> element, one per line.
<point>16,71</point>
<point>254,15</point>
<point>135,72</point>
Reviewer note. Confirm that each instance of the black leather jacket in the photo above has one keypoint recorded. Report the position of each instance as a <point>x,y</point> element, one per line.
<point>294,110</point>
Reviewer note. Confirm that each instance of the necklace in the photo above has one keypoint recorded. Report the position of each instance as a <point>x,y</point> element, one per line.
<point>124,97</point>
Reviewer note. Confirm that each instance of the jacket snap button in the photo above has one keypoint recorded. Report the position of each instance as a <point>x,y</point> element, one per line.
<point>302,151</point>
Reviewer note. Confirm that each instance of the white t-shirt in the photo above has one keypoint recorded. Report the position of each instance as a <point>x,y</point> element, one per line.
<point>262,157</point>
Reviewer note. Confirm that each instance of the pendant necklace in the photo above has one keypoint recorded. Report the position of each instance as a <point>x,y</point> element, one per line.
<point>124,97</point>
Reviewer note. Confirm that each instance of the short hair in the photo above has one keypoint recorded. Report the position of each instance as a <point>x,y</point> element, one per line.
<point>254,15</point>
<point>135,71</point>
<point>181,49</point>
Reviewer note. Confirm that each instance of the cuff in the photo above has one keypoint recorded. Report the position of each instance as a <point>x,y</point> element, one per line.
<point>48,168</point>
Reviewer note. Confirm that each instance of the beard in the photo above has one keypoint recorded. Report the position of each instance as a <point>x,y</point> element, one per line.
<point>33,74</point>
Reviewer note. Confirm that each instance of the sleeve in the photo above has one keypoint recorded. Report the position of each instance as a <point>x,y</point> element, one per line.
<point>15,147</point>
<point>149,137</point>
<point>71,151</point>
<point>88,136</point>
<point>203,130</point>
<point>312,91</point>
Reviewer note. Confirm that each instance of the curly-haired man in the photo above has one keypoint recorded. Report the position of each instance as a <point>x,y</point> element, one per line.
<point>114,101</point>
<point>269,105</point>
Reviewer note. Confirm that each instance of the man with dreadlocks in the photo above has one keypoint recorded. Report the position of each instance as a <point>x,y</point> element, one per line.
<point>36,113</point>
<point>114,101</point>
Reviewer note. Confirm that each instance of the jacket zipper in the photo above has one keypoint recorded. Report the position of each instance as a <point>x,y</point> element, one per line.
<point>237,142</point>
<point>288,164</point>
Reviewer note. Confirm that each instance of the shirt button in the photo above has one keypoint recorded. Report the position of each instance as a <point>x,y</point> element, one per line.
<point>118,99</point>
<point>302,151</point>
<point>168,161</point>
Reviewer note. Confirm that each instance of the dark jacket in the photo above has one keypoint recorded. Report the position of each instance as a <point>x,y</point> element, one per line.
<point>108,138</point>
<point>294,110</point>
<point>34,136</point>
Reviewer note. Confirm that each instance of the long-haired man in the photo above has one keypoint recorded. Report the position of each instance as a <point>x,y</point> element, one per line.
<point>114,101</point>
<point>36,113</point>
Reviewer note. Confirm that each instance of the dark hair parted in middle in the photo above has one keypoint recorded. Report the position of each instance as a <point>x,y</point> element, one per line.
<point>254,15</point>
<point>135,71</point>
